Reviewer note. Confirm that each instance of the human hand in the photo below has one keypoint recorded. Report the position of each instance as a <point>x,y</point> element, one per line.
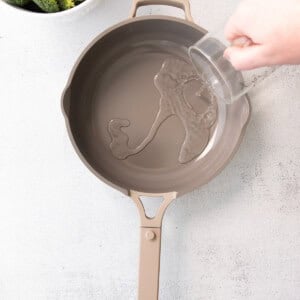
<point>273,27</point>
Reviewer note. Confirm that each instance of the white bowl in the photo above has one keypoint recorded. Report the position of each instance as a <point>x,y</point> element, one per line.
<point>77,11</point>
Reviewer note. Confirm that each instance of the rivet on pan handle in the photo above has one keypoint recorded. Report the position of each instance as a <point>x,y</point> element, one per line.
<point>183,4</point>
<point>150,245</point>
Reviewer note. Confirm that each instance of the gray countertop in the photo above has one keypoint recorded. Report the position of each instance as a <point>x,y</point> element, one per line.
<point>66,235</point>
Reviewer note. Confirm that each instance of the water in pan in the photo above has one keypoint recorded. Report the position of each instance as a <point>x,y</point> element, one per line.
<point>133,91</point>
<point>172,81</point>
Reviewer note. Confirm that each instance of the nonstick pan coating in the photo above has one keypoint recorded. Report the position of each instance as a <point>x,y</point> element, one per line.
<point>120,81</point>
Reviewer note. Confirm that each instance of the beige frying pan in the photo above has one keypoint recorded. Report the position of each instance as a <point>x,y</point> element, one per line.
<point>144,122</point>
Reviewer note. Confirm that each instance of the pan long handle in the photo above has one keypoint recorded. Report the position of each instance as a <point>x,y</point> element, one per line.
<point>183,4</point>
<point>150,245</point>
<point>149,263</point>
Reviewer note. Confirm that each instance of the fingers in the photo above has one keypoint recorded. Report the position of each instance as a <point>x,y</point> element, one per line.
<point>231,31</point>
<point>247,58</point>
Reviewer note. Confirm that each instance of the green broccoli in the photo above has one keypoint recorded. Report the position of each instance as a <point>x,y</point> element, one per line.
<point>49,6</point>
<point>66,4</point>
<point>19,2</point>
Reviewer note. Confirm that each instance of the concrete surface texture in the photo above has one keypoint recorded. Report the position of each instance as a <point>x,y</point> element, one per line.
<point>64,235</point>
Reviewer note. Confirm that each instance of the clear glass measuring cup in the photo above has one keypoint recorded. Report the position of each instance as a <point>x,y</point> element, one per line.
<point>230,85</point>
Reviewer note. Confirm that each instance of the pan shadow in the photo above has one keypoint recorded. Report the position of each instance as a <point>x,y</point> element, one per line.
<point>200,207</point>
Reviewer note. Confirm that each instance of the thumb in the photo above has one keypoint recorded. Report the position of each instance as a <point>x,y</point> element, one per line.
<point>246,58</point>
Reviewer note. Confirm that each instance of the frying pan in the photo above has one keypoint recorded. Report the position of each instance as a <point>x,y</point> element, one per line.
<point>143,121</point>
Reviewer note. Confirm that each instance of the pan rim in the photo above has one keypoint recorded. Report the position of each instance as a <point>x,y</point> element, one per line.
<point>115,184</point>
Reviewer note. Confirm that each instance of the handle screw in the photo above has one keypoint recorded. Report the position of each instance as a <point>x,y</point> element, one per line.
<point>150,235</point>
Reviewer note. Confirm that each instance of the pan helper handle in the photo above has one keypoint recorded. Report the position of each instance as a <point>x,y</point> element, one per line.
<point>150,245</point>
<point>182,4</point>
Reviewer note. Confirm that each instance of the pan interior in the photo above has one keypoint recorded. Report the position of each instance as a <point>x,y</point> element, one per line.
<point>139,115</point>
